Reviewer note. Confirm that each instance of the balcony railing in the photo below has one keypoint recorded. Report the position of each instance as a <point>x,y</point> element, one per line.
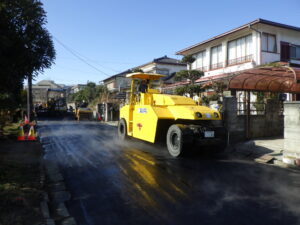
<point>204,68</point>
<point>216,66</point>
<point>243,59</point>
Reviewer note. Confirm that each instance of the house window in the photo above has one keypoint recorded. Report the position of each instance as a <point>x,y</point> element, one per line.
<point>240,50</point>
<point>216,57</point>
<point>163,72</point>
<point>295,52</point>
<point>268,42</point>
<point>200,61</point>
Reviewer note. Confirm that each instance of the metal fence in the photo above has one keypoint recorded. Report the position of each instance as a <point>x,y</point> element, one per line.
<point>256,108</point>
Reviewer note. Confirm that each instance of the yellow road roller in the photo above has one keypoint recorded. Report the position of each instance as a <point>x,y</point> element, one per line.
<point>83,114</point>
<point>177,120</point>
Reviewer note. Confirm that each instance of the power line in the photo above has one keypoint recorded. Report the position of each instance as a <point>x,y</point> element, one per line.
<point>76,70</point>
<point>94,61</point>
<point>98,62</point>
<point>78,57</point>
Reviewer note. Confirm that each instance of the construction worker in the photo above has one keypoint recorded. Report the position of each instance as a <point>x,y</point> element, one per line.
<point>143,86</point>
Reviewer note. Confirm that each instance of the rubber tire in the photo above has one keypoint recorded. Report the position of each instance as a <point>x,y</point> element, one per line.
<point>122,130</point>
<point>175,134</point>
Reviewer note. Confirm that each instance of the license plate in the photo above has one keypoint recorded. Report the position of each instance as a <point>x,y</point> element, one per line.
<point>207,115</point>
<point>209,134</point>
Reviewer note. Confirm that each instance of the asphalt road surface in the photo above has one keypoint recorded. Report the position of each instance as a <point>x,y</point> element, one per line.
<point>112,182</point>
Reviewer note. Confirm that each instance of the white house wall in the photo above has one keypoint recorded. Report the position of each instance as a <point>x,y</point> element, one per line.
<point>268,57</point>
<point>148,68</point>
<point>170,68</point>
<point>110,86</point>
<point>258,57</point>
<point>122,82</point>
<point>224,41</point>
<point>154,67</point>
<point>282,34</point>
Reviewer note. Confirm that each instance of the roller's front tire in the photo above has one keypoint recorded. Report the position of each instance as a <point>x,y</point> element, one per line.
<point>122,129</point>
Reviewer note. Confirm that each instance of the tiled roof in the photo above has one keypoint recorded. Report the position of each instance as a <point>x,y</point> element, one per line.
<point>164,60</point>
<point>263,21</point>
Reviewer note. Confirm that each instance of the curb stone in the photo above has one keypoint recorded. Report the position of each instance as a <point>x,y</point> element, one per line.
<point>45,198</point>
<point>50,222</point>
<point>45,209</point>
<point>57,187</point>
<point>55,177</point>
<point>69,221</point>
<point>58,194</point>
<point>62,210</point>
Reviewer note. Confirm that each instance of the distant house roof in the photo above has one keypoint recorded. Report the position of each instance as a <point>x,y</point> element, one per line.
<point>263,21</point>
<point>164,60</point>
<point>78,86</point>
<point>46,84</point>
<point>122,74</point>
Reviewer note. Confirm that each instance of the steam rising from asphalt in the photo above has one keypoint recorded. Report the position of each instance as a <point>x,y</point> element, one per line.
<point>276,188</point>
<point>81,143</point>
<point>77,144</point>
<point>86,144</point>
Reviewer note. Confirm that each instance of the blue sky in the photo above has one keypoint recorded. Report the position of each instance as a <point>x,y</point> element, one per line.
<point>115,35</point>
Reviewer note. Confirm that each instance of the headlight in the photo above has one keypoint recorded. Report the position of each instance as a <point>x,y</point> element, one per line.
<point>198,115</point>
<point>216,115</point>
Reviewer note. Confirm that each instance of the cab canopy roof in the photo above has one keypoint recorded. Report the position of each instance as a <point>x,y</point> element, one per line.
<point>146,76</point>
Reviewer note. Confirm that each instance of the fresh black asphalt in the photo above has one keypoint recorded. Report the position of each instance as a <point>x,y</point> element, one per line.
<point>133,182</point>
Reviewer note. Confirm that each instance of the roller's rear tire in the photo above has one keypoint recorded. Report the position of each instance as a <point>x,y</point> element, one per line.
<point>122,130</point>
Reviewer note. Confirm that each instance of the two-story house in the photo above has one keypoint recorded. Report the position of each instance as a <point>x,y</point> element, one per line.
<point>40,91</point>
<point>163,65</point>
<point>249,46</point>
<point>76,88</point>
<point>117,82</point>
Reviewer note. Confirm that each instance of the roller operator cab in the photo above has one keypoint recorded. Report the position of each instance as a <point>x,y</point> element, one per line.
<point>151,116</point>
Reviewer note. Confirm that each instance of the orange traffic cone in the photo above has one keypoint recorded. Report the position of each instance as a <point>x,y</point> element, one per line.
<point>21,136</point>
<point>31,134</point>
<point>26,121</point>
<point>99,117</point>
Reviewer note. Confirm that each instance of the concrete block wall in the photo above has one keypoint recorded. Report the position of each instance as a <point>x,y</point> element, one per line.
<point>268,125</point>
<point>292,130</point>
<point>235,124</point>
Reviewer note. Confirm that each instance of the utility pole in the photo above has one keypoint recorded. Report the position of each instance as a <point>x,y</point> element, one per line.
<point>29,96</point>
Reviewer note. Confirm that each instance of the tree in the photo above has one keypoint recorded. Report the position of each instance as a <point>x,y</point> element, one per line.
<point>91,94</point>
<point>90,91</point>
<point>219,86</point>
<point>102,92</point>
<point>80,96</point>
<point>26,46</point>
<point>189,75</point>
